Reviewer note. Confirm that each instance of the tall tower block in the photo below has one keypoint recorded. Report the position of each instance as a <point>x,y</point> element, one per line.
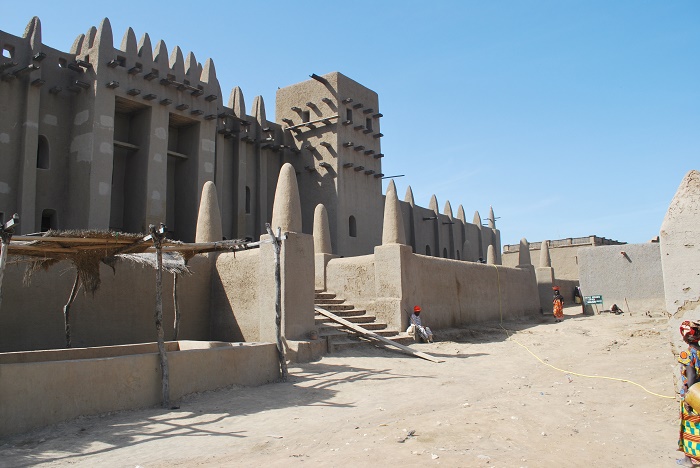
<point>334,131</point>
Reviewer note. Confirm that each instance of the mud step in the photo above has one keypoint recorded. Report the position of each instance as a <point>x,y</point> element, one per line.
<point>339,344</point>
<point>350,313</point>
<point>386,333</point>
<point>324,295</point>
<point>401,338</point>
<point>334,307</point>
<point>327,300</point>
<point>331,333</point>
<point>359,319</point>
<point>372,326</point>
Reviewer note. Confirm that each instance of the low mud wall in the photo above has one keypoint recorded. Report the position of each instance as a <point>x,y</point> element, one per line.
<point>120,312</point>
<point>39,388</point>
<point>452,293</point>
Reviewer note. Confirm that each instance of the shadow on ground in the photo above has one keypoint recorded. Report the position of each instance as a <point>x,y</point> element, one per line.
<point>310,385</point>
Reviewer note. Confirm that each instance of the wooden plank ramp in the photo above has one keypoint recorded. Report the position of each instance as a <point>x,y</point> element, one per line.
<point>370,334</point>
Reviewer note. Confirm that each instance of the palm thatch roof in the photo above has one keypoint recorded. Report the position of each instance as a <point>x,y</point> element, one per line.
<point>86,249</point>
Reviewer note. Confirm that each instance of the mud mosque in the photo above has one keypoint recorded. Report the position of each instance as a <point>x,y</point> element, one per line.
<point>105,138</point>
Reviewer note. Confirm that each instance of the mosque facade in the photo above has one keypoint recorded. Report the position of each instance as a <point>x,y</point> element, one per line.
<point>100,137</point>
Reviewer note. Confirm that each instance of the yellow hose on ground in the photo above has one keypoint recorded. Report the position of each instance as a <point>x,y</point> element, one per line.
<point>511,337</point>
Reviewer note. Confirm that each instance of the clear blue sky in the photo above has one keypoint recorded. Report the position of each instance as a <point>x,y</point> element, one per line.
<point>571,118</point>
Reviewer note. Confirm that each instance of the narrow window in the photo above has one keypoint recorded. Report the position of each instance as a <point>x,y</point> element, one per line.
<point>42,153</point>
<point>8,51</point>
<point>348,115</point>
<point>458,256</point>
<point>48,220</point>
<point>427,250</point>
<point>444,253</point>
<point>247,200</point>
<point>368,124</point>
<point>353,226</point>
<point>305,116</point>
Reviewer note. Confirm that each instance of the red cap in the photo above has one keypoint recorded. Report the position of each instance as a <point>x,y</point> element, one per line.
<point>416,309</point>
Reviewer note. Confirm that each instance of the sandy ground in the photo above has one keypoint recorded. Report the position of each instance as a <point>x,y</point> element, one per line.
<point>491,403</point>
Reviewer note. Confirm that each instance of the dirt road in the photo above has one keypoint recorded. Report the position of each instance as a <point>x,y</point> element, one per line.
<point>491,403</point>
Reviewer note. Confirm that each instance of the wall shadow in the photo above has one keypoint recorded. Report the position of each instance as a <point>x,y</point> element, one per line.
<point>199,415</point>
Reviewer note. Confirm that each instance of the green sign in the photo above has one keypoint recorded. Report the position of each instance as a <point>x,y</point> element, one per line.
<point>593,299</point>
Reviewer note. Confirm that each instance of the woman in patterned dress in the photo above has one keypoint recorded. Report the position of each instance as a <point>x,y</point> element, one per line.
<point>689,440</point>
<point>558,305</point>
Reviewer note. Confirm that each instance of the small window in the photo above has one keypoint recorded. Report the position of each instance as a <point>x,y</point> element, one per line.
<point>368,124</point>
<point>348,114</point>
<point>48,220</point>
<point>352,224</point>
<point>305,116</point>
<point>427,250</point>
<point>444,253</point>
<point>121,61</point>
<point>8,51</point>
<point>42,153</point>
<point>247,200</point>
<point>62,62</point>
<point>458,256</point>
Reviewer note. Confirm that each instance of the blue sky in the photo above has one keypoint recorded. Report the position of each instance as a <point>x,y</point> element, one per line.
<point>571,118</point>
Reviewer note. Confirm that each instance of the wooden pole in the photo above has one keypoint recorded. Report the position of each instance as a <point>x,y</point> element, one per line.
<point>6,231</point>
<point>158,236</point>
<point>4,245</point>
<point>276,245</point>
<point>176,325</point>
<point>66,308</point>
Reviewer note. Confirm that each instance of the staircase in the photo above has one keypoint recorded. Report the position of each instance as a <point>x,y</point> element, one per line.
<point>337,336</point>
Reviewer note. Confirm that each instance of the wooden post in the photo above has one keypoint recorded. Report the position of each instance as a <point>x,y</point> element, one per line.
<point>157,236</point>
<point>4,245</point>
<point>176,325</point>
<point>66,308</point>
<point>276,245</point>
<point>6,231</point>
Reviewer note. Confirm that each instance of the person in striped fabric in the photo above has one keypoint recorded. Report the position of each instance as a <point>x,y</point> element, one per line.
<point>689,439</point>
<point>417,329</point>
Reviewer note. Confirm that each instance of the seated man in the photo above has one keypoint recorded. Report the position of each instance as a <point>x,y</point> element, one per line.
<point>417,329</point>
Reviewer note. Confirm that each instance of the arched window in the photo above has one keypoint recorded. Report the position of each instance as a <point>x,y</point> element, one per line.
<point>352,226</point>
<point>444,253</point>
<point>427,250</point>
<point>247,200</point>
<point>42,153</point>
<point>48,220</point>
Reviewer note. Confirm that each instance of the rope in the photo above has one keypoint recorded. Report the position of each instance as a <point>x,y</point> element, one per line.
<point>511,337</point>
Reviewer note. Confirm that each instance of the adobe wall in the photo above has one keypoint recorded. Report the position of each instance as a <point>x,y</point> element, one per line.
<point>234,296</point>
<point>460,293</point>
<point>121,311</point>
<point>120,138</point>
<point>680,253</point>
<point>243,292</point>
<point>564,260</point>
<point>635,276</point>
<point>453,293</point>
<point>79,382</point>
<point>445,235</point>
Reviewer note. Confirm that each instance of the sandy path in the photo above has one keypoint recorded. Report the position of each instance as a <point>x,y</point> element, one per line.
<point>490,404</point>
